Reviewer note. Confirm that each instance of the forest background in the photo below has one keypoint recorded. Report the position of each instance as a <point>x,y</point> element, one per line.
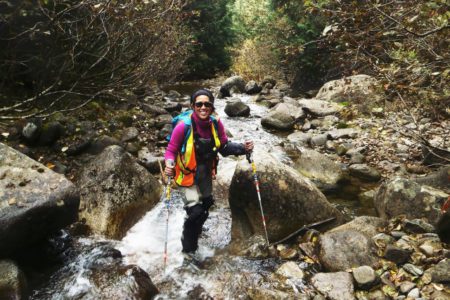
<point>61,55</point>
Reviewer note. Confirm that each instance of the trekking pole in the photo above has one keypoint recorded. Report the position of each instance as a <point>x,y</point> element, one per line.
<point>255,178</point>
<point>167,192</point>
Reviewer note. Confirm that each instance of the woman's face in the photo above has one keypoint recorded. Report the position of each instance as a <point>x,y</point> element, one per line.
<point>202,107</point>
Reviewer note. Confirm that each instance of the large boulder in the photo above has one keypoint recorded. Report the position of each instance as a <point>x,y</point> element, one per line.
<point>115,192</point>
<point>350,245</point>
<point>323,171</point>
<point>353,88</point>
<point>289,200</point>
<point>278,120</point>
<point>34,201</point>
<point>237,109</point>
<point>232,82</point>
<point>404,196</point>
<point>439,179</point>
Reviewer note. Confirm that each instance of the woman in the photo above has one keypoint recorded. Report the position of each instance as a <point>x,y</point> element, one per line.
<point>191,159</point>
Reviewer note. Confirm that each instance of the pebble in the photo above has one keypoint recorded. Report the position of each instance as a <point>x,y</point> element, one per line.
<point>427,250</point>
<point>406,286</point>
<point>414,293</point>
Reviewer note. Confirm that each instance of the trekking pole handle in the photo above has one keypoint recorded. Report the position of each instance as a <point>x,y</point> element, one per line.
<point>249,157</point>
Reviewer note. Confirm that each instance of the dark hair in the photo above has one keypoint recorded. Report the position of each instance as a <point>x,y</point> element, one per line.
<point>201,92</point>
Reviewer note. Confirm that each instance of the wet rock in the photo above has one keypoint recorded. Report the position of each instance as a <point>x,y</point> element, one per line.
<point>365,277</point>
<point>268,80</point>
<point>12,281</point>
<point>34,201</point>
<point>278,120</point>
<point>263,293</point>
<point>439,273</point>
<point>335,286</point>
<point>293,110</point>
<point>364,172</point>
<point>129,134</point>
<point>100,143</point>
<point>324,172</point>
<point>237,109</point>
<point>418,226</point>
<point>319,108</point>
<point>398,234</point>
<point>254,247</point>
<point>289,199</point>
<point>396,254</point>
<point>232,82</point>
<point>403,196</point>
<point>290,270</point>
<point>115,192</point>
<point>252,87</point>
<point>198,292</point>
<point>353,88</point>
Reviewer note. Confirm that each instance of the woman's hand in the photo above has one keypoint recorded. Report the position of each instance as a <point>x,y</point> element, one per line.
<point>169,170</point>
<point>248,145</point>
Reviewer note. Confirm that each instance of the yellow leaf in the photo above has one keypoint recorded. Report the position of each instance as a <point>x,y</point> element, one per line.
<point>50,165</point>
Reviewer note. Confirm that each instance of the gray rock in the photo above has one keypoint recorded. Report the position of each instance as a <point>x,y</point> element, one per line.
<point>162,120</point>
<point>364,172</point>
<point>278,120</point>
<point>437,179</point>
<point>319,108</point>
<point>365,277</point>
<point>100,143</point>
<point>418,226</point>
<point>358,87</point>
<point>34,201</point>
<point>439,273</point>
<point>13,283</point>
<point>344,249</point>
<point>382,240</point>
<point>396,254</point>
<point>319,140</point>
<point>154,110</point>
<point>32,130</point>
<point>150,161</point>
<point>270,80</point>
<point>291,199</point>
<point>403,196</point>
<point>293,110</point>
<point>335,286</point>
<point>173,107</point>
<point>413,294</point>
<point>299,138</point>
<point>232,82</point>
<point>252,87</point>
<point>129,134</point>
<point>290,270</point>
<point>412,269</point>
<point>357,158</point>
<point>324,172</point>
<point>50,133</point>
<point>343,133</point>
<point>115,192</point>
<point>406,286</point>
<point>237,109</point>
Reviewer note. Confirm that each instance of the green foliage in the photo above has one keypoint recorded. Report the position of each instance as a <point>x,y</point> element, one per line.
<point>211,35</point>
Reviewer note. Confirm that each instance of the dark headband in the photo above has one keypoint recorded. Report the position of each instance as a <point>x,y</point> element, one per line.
<point>202,92</point>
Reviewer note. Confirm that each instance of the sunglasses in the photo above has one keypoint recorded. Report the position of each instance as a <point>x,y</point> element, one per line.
<point>206,104</point>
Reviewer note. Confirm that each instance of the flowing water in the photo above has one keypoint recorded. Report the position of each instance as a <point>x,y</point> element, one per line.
<point>217,274</point>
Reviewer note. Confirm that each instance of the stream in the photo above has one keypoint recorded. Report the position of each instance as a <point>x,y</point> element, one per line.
<point>219,274</point>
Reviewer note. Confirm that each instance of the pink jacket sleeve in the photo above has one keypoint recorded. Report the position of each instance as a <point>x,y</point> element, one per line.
<point>175,143</point>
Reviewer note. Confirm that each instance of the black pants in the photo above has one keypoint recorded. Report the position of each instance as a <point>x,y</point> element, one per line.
<point>193,225</point>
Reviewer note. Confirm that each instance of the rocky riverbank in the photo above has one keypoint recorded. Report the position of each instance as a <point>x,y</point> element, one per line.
<point>344,141</point>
